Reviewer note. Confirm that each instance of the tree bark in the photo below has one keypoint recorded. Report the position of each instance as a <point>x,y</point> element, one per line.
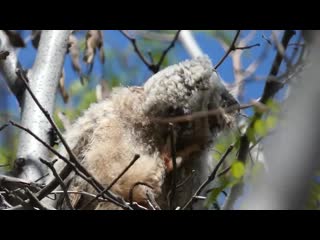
<point>44,77</point>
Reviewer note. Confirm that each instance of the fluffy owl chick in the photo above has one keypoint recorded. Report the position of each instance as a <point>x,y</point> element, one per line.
<point>109,134</point>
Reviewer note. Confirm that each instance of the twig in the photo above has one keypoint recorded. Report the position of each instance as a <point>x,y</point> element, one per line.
<point>136,49</point>
<point>135,158</point>
<point>270,87</point>
<point>174,164</point>
<point>91,179</point>
<point>153,67</point>
<point>201,114</point>
<point>224,171</point>
<point>35,201</point>
<point>210,178</point>
<point>167,50</point>
<point>25,205</point>
<point>179,185</point>
<point>247,47</point>
<point>13,182</point>
<point>4,203</point>
<point>3,126</point>
<point>56,175</point>
<point>231,48</point>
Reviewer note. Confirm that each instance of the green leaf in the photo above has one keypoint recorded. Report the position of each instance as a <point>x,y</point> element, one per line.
<point>237,169</point>
<point>251,136</point>
<point>213,195</point>
<point>260,128</point>
<point>273,105</point>
<point>271,122</point>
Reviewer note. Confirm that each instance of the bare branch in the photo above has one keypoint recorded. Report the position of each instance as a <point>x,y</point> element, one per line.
<point>247,47</point>
<point>3,127</point>
<point>34,201</point>
<point>210,178</point>
<point>57,176</point>
<point>135,158</point>
<point>167,50</point>
<point>231,48</point>
<point>14,183</point>
<point>152,67</point>
<point>201,114</point>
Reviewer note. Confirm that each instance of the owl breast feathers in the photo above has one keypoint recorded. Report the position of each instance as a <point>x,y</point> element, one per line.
<point>109,134</point>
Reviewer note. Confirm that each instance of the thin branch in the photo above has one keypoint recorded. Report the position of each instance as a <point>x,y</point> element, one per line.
<point>13,183</point>
<point>247,47</point>
<point>153,67</point>
<point>25,204</point>
<point>136,49</point>
<point>201,114</point>
<point>135,158</point>
<point>174,164</point>
<point>231,48</point>
<point>270,87</point>
<point>210,178</point>
<point>3,203</point>
<point>3,126</point>
<point>167,50</point>
<point>224,171</point>
<point>57,176</point>
<point>34,201</point>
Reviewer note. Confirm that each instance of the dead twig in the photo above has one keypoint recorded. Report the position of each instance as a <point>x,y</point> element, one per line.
<point>56,175</point>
